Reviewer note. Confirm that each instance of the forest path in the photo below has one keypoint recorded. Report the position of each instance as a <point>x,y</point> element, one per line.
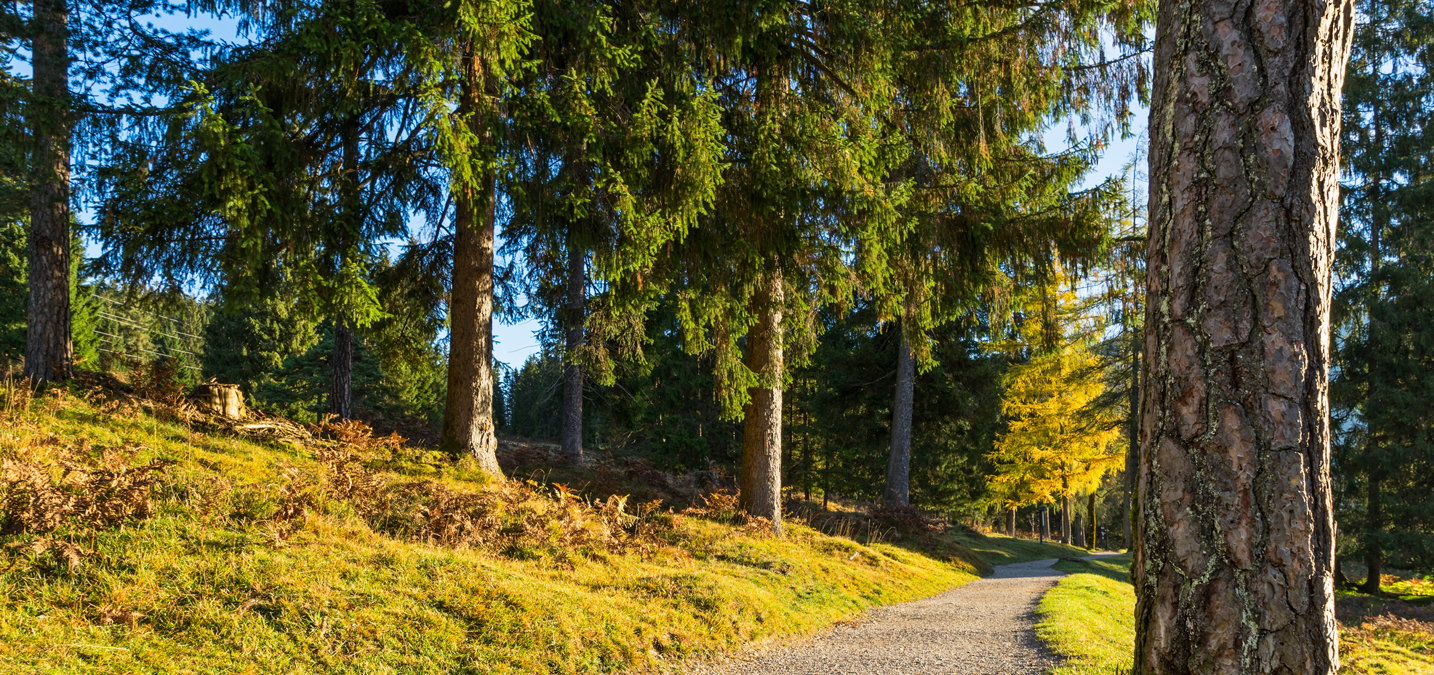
<point>986,627</point>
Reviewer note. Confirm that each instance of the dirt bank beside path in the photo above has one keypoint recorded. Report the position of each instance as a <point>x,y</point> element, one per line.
<point>986,627</point>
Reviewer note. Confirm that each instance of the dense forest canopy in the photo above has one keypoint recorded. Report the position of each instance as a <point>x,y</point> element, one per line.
<point>821,247</point>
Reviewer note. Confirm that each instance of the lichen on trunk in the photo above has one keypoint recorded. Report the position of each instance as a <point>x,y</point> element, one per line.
<point>1235,542</point>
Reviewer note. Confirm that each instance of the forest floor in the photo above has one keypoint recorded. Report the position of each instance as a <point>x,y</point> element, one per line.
<point>985,627</point>
<point>137,536</point>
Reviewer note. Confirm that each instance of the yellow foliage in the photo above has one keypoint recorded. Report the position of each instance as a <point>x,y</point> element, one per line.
<point>1055,444</point>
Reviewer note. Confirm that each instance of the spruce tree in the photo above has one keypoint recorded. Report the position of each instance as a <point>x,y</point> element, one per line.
<point>1384,352</point>
<point>973,87</point>
<point>293,164</point>
<point>89,77</point>
<point>613,150</point>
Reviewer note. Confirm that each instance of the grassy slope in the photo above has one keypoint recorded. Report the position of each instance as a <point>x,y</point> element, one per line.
<point>1089,618</point>
<point>206,586</point>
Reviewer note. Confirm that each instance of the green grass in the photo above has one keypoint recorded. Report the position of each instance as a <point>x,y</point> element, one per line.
<point>1089,617</point>
<point>999,549</point>
<point>210,584</point>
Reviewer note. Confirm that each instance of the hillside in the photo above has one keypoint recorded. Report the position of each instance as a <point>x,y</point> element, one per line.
<point>140,536</point>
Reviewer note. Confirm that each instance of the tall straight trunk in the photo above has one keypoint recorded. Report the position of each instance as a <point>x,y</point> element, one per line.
<point>1374,523</point>
<point>48,350</point>
<point>468,415</point>
<point>1132,450</point>
<point>1090,520</point>
<point>1234,551</point>
<point>1045,524</point>
<point>342,367</point>
<point>898,465</point>
<point>1011,522</point>
<point>341,361</point>
<point>573,371</point>
<point>761,493</point>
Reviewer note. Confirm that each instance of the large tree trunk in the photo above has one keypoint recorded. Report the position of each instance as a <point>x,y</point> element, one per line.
<point>342,367</point>
<point>48,350</point>
<point>898,465</point>
<point>468,415</point>
<point>1235,540</point>
<point>1011,522</point>
<point>761,487</point>
<point>573,371</point>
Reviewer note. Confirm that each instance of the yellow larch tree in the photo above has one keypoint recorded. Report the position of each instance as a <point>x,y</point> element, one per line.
<point>1056,443</point>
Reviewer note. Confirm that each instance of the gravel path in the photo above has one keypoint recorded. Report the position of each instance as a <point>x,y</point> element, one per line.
<point>986,627</point>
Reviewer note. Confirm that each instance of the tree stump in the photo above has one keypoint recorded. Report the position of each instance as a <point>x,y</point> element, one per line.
<point>224,400</point>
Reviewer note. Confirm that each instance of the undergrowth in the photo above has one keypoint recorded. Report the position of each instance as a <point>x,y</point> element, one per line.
<point>140,537</point>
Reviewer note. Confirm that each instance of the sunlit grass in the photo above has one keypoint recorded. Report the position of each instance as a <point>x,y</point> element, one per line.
<point>1089,617</point>
<point>206,586</point>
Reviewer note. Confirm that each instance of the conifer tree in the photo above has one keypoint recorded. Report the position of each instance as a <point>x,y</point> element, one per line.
<point>974,87</point>
<point>796,82</point>
<point>1384,269</point>
<point>614,151</point>
<point>1053,447</point>
<point>115,78</point>
<point>293,164</point>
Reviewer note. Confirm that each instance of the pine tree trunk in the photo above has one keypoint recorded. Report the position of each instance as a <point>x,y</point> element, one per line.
<point>573,371</point>
<point>48,350</point>
<point>468,415</point>
<point>1235,539</point>
<point>761,493</point>
<point>898,465</point>
<point>1090,517</point>
<point>342,367</point>
<point>1011,522</point>
<point>1374,523</point>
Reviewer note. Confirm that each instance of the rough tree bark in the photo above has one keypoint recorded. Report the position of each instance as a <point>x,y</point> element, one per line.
<point>761,488</point>
<point>468,416</point>
<point>573,371</point>
<point>48,350</point>
<point>898,466</point>
<point>1234,549</point>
